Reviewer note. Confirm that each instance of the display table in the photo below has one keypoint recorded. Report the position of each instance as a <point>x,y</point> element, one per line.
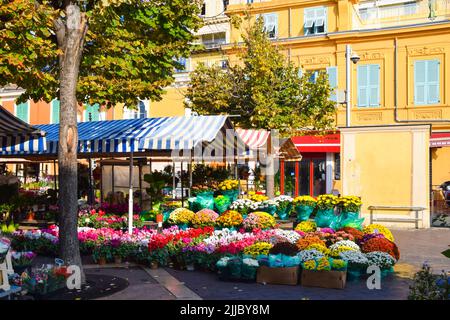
<point>11,291</point>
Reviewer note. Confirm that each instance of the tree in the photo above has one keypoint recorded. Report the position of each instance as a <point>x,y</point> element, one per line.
<point>265,89</point>
<point>106,52</point>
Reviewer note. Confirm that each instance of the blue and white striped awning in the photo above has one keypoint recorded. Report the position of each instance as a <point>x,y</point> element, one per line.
<point>19,138</point>
<point>138,135</point>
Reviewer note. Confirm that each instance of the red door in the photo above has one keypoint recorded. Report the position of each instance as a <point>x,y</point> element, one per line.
<point>312,175</point>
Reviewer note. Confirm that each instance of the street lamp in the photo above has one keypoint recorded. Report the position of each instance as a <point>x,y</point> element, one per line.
<point>353,57</point>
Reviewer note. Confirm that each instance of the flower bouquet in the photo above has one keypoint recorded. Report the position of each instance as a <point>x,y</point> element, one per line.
<point>381,244</point>
<point>229,219</point>
<point>325,216</point>
<point>357,263</point>
<point>256,197</point>
<point>379,229</point>
<point>230,188</point>
<point>304,206</point>
<point>382,260</point>
<point>306,226</point>
<point>168,207</point>
<point>259,248</point>
<point>284,206</point>
<point>41,282</point>
<point>204,196</point>
<point>350,207</point>
<point>259,220</point>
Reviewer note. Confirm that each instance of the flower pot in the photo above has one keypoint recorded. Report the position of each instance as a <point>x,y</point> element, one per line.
<point>205,200</point>
<point>326,218</point>
<point>303,212</point>
<point>101,261</point>
<point>270,209</point>
<point>232,194</point>
<point>117,260</point>
<point>154,265</point>
<point>283,213</point>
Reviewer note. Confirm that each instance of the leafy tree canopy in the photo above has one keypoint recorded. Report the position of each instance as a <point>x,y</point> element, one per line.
<point>264,89</point>
<point>130,50</point>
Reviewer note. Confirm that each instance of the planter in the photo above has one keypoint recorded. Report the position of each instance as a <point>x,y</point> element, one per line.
<point>303,212</point>
<point>326,218</point>
<point>183,226</point>
<point>270,209</point>
<point>231,194</point>
<point>117,260</point>
<point>324,279</point>
<point>288,276</point>
<point>154,265</point>
<point>205,200</point>
<point>284,213</point>
<point>101,261</point>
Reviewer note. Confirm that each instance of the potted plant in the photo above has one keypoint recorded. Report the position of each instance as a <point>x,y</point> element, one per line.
<point>22,260</point>
<point>304,206</point>
<point>284,206</point>
<point>325,217</point>
<point>230,188</point>
<point>102,253</point>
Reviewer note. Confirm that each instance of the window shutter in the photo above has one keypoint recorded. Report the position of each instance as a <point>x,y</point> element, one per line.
<point>309,16</point>
<point>55,110</point>
<point>332,79</point>
<point>420,82</point>
<point>362,86</point>
<point>432,81</point>
<point>92,112</point>
<point>142,111</point>
<point>374,85</point>
<point>22,111</point>
<point>271,24</point>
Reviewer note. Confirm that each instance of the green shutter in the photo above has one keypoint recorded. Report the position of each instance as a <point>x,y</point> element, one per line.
<point>420,82</point>
<point>433,81</point>
<point>92,112</point>
<point>55,110</point>
<point>22,111</point>
<point>332,79</point>
<point>362,86</point>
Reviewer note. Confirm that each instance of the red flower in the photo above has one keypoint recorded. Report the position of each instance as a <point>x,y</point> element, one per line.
<point>381,244</point>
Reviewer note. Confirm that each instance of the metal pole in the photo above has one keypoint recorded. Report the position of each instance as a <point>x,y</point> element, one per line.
<point>182,189</point>
<point>140,183</point>
<point>54,174</point>
<point>91,189</point>
<point>130,197</point>
<point>101,181</point>
<point>150,167</point>
<point>174,191</point>
<point>112,180</point>
<point>348,52</point>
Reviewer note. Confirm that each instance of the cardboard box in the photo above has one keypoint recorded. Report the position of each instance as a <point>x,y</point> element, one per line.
<point>324,279</point>
<point>278,275</point>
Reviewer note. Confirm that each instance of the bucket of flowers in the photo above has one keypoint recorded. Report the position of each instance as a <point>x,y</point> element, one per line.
<point>43,281</point>
<point>350,207</point>
<point>222,203</point>
<point>325,217</point>
<point>269,206</point>
<point>230,188</point>
<point>22,261</point>
<point>304,207</point>
<point>230,219</point>
<point>259,220</point>
<point>284,206</point>
<point>257,196</point>
<point>244,206</point>
<point>204,196</point>
<point>204,218</point>
<point>324,273</point>
<point>181,217</point>
<point>168,206</point>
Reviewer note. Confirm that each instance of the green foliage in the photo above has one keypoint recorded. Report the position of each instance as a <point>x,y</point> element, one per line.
<point>264,89</point>
<point>204,174</point>
<point>425,286</point>
<point>157,180</point>
<point>446,253</point>
<point>130,50</point>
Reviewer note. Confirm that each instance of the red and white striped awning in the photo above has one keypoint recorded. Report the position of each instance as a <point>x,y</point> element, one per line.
<point>440,139</point>
<point>254,139</point>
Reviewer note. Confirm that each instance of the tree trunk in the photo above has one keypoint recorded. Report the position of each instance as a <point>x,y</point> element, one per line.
<point>70,41</point>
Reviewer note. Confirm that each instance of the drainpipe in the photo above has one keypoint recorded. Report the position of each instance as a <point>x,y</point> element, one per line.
<point>395,96</point>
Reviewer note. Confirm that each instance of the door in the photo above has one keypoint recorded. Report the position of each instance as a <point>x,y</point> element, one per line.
<point>312,175</point>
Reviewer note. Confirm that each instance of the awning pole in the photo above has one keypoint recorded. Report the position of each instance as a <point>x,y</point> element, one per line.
<point>174,191</point>
<point>101,181</point>
<point>140,184</point>
<point>130,196</point>
<point>150,167</point>
<point>54,174</point>
<point>182,189</point>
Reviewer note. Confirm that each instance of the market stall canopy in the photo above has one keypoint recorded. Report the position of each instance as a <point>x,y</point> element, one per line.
<point>143,135</point>
<point>17,137</point>
<point>318,143</point>
<point>255,139</point>
<point>288,151</point>
<point>440,139</point>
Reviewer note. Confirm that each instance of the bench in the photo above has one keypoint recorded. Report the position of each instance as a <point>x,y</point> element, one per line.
<point>11,291</point>
<point>397,208</point>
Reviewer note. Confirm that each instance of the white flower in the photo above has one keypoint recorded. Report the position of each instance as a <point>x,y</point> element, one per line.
<point>345,243</point>
<point>312,254</point>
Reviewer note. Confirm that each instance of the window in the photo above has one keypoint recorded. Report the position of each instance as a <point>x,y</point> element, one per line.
<point>337,166</point>
<point>271,25</point>
<point>183,62</point>
<point>315,20</point>
<point>139,113</point>
<point>368,85</point>
<point>92,113</point>
<point>426,82</point>
<point>212,39</point>
<point>22,111</point>
<point>333,80</point>
<point>203,13</point>
<point>224,64</point>
<point>55,106</point>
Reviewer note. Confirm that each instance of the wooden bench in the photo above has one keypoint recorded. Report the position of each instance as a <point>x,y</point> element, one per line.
<point>397,208</point>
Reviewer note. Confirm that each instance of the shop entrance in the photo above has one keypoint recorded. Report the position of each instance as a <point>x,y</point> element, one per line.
<point>312,175</point>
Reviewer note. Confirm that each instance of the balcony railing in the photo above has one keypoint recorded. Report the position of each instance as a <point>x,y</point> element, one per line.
<point>401,14</point>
